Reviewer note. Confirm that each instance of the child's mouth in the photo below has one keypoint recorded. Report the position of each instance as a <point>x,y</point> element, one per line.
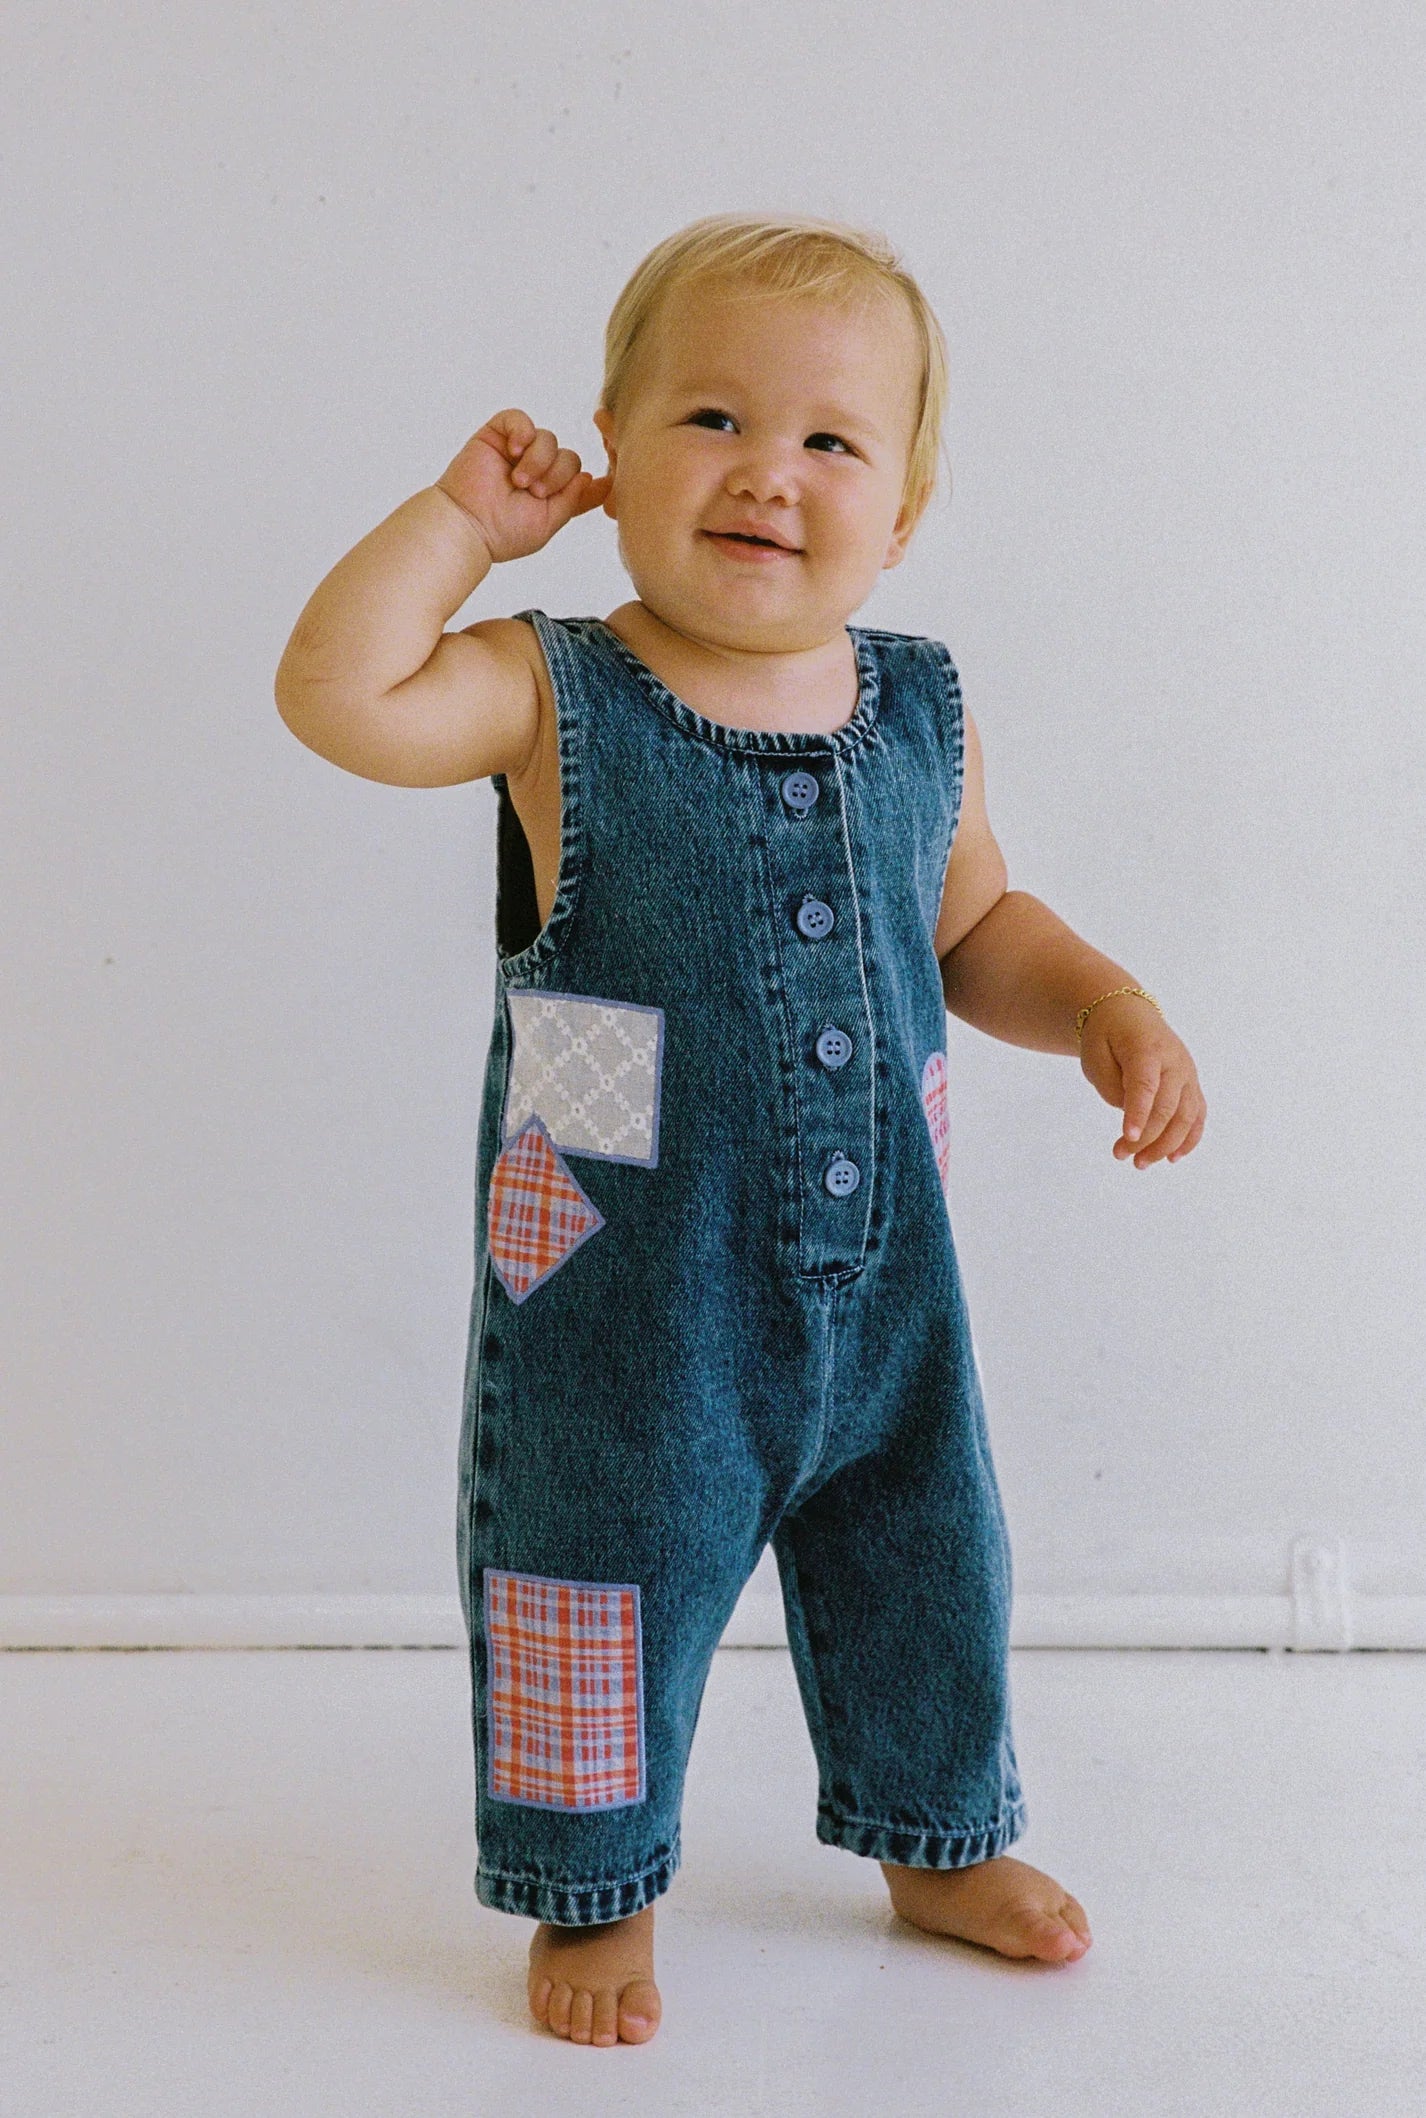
<point>754,547</point>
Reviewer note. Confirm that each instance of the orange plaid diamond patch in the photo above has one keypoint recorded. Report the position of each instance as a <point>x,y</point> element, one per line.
<point>538,1214</point>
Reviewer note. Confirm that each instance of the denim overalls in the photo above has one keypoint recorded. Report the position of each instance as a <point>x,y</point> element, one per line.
<point>716,1293</point>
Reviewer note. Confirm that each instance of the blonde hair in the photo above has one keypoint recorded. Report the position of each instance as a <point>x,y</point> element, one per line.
<point>798,255</point>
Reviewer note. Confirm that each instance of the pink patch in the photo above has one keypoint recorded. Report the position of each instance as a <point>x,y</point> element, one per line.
<point>935,1101</point>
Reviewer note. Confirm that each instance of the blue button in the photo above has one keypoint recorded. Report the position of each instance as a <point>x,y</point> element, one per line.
<point>834,1049</point>
<point>800,790</point>
<point>814,919</point>
<point>841,1177</point>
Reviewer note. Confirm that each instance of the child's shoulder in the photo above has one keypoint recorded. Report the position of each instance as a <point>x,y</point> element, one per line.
<point>922,652</point>
<point>898,639</point>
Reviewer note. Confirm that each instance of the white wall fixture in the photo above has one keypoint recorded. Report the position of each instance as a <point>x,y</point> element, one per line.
<point>1321,1596</point>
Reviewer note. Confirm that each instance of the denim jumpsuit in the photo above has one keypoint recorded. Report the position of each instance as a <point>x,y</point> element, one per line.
<point>716,1294</point>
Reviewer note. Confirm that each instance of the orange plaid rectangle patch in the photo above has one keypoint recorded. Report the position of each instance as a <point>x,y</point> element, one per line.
<point>565,1698</point>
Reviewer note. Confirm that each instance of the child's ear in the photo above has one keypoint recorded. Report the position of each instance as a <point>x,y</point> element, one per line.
<point>603,420</point>
<point>902,532</point>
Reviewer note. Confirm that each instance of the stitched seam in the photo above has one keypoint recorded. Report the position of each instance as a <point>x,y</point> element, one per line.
<point>605,1882</point>
<point>761,742</point>
<point>824,1421</point>
<point>959,1830</point>
<point>789,1046</point>
<point>569,705</point>
<point>866,994</point>
<point>477,1412</point>
<point>828,1365</point>
<point>821,1743</point>
<point>954,700</point>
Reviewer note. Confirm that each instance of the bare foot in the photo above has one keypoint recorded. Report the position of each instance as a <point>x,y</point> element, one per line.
<point>1003,1904</point>
<point>595,1985</point>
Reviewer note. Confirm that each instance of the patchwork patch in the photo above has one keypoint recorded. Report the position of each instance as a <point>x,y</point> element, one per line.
<point>538,1215</point>
<point>591,1069</point>
<point>935,1101</point>
<point>565,1691</point>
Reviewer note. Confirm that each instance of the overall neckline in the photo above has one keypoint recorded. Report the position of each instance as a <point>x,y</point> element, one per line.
<point>773,742</point>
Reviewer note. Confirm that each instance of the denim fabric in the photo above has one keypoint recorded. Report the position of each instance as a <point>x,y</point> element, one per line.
<point>745,1347</point>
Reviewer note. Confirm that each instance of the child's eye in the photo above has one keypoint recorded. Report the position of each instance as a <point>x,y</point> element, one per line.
<point>815,440</point>
<point>708,413</point>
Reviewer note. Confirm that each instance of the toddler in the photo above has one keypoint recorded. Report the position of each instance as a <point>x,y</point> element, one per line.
<point>744,868</point>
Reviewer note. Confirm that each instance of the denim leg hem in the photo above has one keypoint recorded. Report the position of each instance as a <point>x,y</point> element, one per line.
<point>907,1846</point>
<point>563,1904</point>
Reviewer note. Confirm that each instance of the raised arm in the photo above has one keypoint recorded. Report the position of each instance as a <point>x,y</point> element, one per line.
<point>371,680</point>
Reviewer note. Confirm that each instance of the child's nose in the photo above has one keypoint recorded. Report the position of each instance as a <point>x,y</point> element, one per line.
<point>770,474</point>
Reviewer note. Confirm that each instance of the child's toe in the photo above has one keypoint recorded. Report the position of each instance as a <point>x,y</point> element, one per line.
<point>1051,1939</point>
<point>581,2016</point>
<point>561,2001</point>
<point>1074,1914</point>
<point>639,2011</point>
<point>606,2016</point>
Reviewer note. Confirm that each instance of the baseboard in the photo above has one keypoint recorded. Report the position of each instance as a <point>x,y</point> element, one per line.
<point>1162,1621</point>
<point>296,1621</point>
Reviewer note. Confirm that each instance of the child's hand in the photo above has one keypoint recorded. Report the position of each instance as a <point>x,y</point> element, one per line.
<point>1137,1063</point>
<point>518,485</point>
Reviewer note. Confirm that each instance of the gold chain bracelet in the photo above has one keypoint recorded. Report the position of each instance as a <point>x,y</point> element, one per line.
<point>1079,1019</point>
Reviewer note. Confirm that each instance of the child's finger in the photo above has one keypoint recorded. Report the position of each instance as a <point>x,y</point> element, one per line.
<point>1177,1130</point>
<point>1140,1088</point>
<point>1153,1124</point>
<point>1166,1138</point>
<point>514,429</point>
<point>536,459</point>
<point>591,492</point>
<point>1172,1094</point>
<point>556,476</point>
<point>1195,1134</point>
<point>582,493</point>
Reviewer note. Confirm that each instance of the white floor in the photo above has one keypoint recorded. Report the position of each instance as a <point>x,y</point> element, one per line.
<point>241,1883</point>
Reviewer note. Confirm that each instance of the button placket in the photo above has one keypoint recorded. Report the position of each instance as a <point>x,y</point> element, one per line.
<point>827,1001</point>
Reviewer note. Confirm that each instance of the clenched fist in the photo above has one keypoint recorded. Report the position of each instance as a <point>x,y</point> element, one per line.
<point>518,485</point>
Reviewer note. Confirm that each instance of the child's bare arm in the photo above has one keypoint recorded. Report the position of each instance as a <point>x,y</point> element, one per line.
<point>371,680</point>
<point>976,875</point>
<point>1011,967</point>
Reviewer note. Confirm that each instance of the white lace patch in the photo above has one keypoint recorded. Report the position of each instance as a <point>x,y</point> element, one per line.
<point>591,1070</point>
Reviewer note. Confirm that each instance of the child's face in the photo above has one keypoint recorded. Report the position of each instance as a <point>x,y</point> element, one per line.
<point>793,417</point>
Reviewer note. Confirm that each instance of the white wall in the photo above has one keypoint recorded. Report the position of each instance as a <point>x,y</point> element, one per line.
<point>266,268</point>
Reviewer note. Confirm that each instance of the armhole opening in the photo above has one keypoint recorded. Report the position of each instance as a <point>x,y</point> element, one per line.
<point>517,913</point>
